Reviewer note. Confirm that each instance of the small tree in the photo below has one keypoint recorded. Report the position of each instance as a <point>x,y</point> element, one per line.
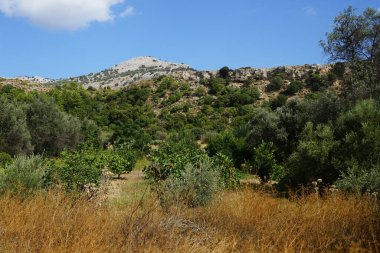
<point>265,164</point>
<point>294,87</point>
<point>224,72</point>
<point>119,164</point>
<point>276,84</point>
<point>356,39</point>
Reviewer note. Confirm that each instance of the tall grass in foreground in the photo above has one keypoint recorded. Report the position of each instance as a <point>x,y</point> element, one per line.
<point>238,222</point>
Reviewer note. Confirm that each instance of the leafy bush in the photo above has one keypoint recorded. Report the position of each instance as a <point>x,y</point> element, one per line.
<point>359,180</point>
<point>119,163</point>
<point>5,159</point>
<point>170,159</point>
<point>359,132</point>
<point>78,169</point>
<point>275,84</point>
<point>216,85</point>
<point>265,164</point>
<point>279,101</point>
<point>339,69</point>
<point>294,87</point>
<point>196,186</point>
<point>25,174</point>
<point>266,126</point>
<point>316,82</point>
<point>227,172</point>
<point>224,72</point>
<point>315,156</point>
<point>228,144</point>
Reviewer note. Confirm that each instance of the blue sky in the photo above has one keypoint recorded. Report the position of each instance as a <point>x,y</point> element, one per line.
<point>62,38</point>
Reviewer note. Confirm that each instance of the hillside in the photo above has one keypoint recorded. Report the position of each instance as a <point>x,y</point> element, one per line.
<point>25,83</point>
<point>137,71</point>
<point>147,68</point>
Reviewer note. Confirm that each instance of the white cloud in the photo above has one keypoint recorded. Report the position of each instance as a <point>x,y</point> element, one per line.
<point>129,11</point>
<point>60,14</point>
<point>310,11</point>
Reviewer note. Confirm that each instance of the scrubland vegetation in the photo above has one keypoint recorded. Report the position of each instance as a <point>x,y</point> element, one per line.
<point>310,157</point>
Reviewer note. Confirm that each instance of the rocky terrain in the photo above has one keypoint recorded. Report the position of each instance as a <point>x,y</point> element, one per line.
<point>134,70</point>
<point>147,68</point>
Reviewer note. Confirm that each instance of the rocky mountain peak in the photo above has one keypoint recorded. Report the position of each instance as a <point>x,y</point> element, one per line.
<point>147,62</point>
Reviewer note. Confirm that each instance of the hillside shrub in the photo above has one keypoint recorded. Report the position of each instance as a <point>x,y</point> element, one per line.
<point>266,126</point>
<point>275,84</point>
<point>196,186</point>
<point>51,129</point>
<point>224,72</point>
<point>216,85</point>
<point>294,87</point>
<point>228,144</point>
<point>24,174</point>
<point>278,101</point>
<point>317,82</point>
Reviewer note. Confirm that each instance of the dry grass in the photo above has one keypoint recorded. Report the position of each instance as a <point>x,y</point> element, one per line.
<point>238,222</point>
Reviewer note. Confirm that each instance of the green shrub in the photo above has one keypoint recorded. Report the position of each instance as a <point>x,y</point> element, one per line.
<point>216,85</point>
<point>224,72</point>
<point>197,185</point>
<point>120,163</point>
<point>279,101</point>
<point>227,172</point>
<point>78,169</point>
<point>359,180</point>
<point>275,84</point>
<point>315,156</point>
<point>265,164</point>
<point>294,87</point>
<point>228,144</point>
<point>5,159</point>
<point>170,159</point>
<point>25,174</point>
<point>316,82</point>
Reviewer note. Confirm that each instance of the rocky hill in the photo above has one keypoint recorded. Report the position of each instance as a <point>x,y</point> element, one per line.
<point>27,83</point>
<point>147,68</point>
<point>134,70</point>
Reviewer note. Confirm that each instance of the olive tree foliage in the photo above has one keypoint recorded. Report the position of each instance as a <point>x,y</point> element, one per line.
<point>51,129</point>
<point>355,39</point>
<point>314,157</point>
<point>265,126</point>
<point>14,135</point>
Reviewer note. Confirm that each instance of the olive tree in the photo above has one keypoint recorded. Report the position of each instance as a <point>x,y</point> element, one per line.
<point>355,39</point>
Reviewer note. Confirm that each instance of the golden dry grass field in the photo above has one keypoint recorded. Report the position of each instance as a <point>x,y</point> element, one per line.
<point>241,221</point>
